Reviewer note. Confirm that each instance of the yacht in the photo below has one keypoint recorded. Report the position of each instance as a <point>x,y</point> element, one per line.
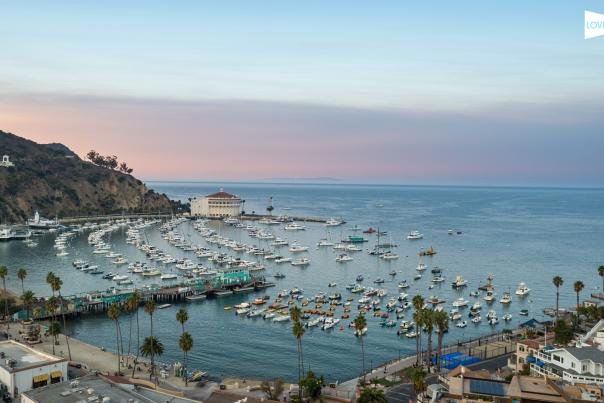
<point>389,256</point>
<point>489,297</point>
<point>304,261</point>
<point>403,284</point>
<point>151,272</point>
<point>296,248</point>
<point>522,290</point>
<point>324,242</point>
<point>343,258</point>
<point>279,275</point>
<point>459,282</point>
<point>378,280</point>
<point>506,299</point>
<point>460,302</point>
<point>438,279</point>
<point>169,276</point>
<point>120,277</point>
<point>292,226</point>
<point>491,314</point>
<point>507,317</point>
<point>41,223</point>
<point>476,319</point>
<point>414,235</point>
<point>477,306</point>
<point>280,242</point>
<point>332,222</point>
<point>283,260</point>
<point>462,323</point>
<point>420,267</point>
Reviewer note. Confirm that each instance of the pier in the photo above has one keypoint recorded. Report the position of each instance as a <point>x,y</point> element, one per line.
<point>285,219</point>
<point>100,300</point>
<point>110,217</point>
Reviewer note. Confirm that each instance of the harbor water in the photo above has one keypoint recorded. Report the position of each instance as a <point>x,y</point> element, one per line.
<point>517,234</point>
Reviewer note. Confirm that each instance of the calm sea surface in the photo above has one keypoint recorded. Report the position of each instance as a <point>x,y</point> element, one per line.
<point>518,234</point>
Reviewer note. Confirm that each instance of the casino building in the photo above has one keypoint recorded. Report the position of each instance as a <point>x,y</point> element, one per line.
<point>217,205</point>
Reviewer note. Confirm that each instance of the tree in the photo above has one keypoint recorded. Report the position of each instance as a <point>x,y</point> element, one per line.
<point>114,314</point>
<point>312,385</point>
<point>3,274</point>
<point>601,273</point>
<point>150,309</point>
<point>418,379</point>
<point>359,324</point>
<point>418,304</point>
<point>182,316</point>
<point>557,280</point>
<point>28,300</point>
<point>298,331</point>
<point>578,287</point>
<point>186,344</point>
<point>21,274</point>
<point>441,320</point>
<point>372,395</point>
<point>54,329</point>
<point>51,307</point>
<point>273,391</point>
<point>152,348</point>
<point>134,301</point>
<point>55,285</point>
<point>563,333</point>
<point>428,321</point>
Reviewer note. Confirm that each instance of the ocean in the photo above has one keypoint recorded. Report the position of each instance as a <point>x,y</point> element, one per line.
<point>517,234</point>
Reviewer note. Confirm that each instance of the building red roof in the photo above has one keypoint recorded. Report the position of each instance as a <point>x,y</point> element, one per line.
<point>222,195</point>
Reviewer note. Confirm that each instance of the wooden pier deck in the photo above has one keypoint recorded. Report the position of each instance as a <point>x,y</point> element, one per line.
<point>109,217</point>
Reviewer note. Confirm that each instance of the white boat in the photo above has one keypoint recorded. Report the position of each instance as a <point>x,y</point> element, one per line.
<point>62,253</point>
<point>283,260</point>
<point>522,290</point>
<point>41,223</point>
<point>506,299</point>
<point>296,248</point>
<point>294,227</point>
<point>332,222</point>
<point>389,256</point>
<point>413,235</point>
<point>343,258</point>
<point>460,302</point>
<point>459,282</point>
<point>476,319</point>
<point>420,267</point>
<point>281,318</point>
<point>151,272</point>
<point>169,276</point>
<point>164,306</point>
<point>120,277</point>
<point>477,306</point>
<point>403,284</point>
<point>462,323</point>
<point>330,323</point>
<point>489,297</point>
<point>507,317</point>
<point>315,321</point>
<point>324,242</point>
<point>304,261</point>
<point>491,314</point>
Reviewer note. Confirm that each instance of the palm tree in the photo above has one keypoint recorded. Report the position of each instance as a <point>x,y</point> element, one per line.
<point>55,285</point>
<point>441,320</point>
<point>54,329</point>
<point>418,379</point>
<point>186,344</point>
<point>114,314</point>
<point>601,273</point>
<point>134,300</point>
<point>21,274</point>
<point>359,324</point>
<point>152,347</point>
<point>372,395</point>
<point>298,332</point>
<point>150,309</point>
<point>418,304</point>
<point>557,280</point>
<point>28,300</point>
<point>182,316</point>
<point>272,392</point>
<point>3,274</point>
<point>51,307</point>
<point>428,322</point>
<point>578,286</point>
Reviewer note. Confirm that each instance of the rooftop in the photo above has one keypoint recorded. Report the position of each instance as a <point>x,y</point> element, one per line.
<point>23,357</point>
<point>88,387</point>
<point>587,353</point>
<point>222,195</point>
<point>533,388</point>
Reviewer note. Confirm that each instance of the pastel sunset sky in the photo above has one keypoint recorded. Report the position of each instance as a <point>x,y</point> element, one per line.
<point>390,91</point>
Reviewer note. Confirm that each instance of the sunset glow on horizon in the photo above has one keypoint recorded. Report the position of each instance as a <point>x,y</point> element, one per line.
<point>400,93</point>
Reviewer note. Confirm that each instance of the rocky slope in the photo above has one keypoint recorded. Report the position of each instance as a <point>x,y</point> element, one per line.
<point>52,179</point>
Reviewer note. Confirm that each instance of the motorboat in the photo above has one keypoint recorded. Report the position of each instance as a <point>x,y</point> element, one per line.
<point>506,298</point>
<point>420,267</point>
<point>438,279</point>
<point>491,314</point>
<point>332,284</point>
<point>330,323</point>
<point>389,256</point>
<point>332,222</point>
<point>476,319</point>
<point>524,312</point>
<point>461,323</point>
<point>281,318</point>
<point>303,261</point>
<point>378,280</point>
<point>392,272</point>
<point>324,242</point>
<point>292,226</point>
<point>507,317</point>
<point>403,284</point>
<point>460,302</point>
<point>343,258</point>
<point>459,282</point>
<point>413,235</point>
<point>474,293</point>
<point>417,277</point>
<point>360,277</point>
<point>522,290</point>
<point>279,275</point>
<point>169,276</point>
<point>357,289</point>
<point>489,297</point>
<point>283,260</point>
<point>296,248</point>
<point>120,277</point>
<point>476,306</point>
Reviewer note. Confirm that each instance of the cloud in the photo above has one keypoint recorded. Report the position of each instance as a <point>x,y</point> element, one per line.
<point>167,139</point>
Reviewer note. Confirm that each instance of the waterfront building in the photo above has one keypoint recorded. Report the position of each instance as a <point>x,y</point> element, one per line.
<point>217,205</point>
<point>580,364</point>
<point>6,162</point>
<point>95,388</point>
<point>23,368</point>
<point>527,350</point>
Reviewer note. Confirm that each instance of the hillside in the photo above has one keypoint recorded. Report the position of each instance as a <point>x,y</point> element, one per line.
<point>52,179</point>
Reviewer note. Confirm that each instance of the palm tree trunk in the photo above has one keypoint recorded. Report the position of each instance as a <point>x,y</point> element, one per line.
<point>130,334</point>
<point>429,348</point>
<point>65,328</point>
<point>22,287</point>
<point>557,301</point>
<point>363,355</point>
<point>440,346</point>
<point>302,358</point>
<point>299,372</point>
<point>6,305</point>
<point>117,341</point>
<point>138,344</point>
<point>151,375</point>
